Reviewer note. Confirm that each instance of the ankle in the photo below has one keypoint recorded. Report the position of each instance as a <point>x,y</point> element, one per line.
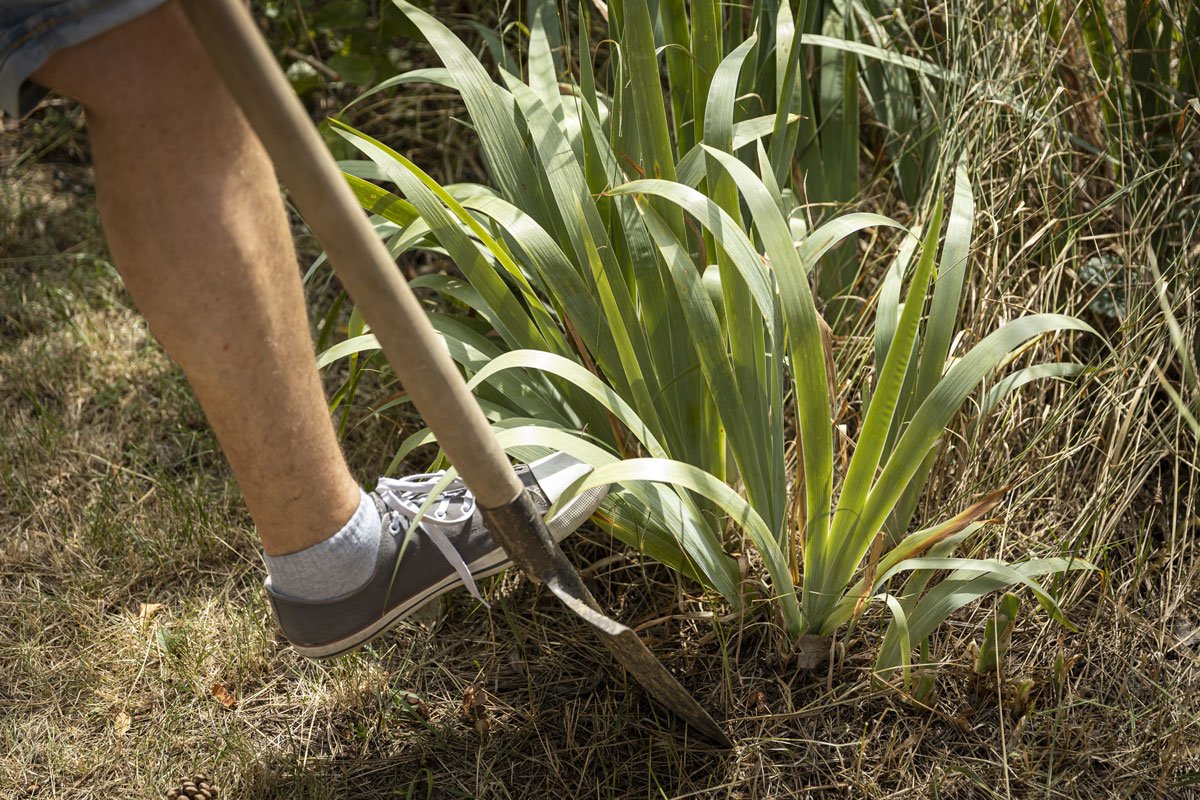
<point>289,524</point>
<point>338,565</point>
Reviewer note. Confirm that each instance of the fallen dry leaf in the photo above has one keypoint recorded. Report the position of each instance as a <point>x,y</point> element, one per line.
<point>223,695</point>
<point>146,612</point>
<point>474,702</point>
<point>811,651</point>
<point>121,723</point>
<point>416,705</point>
<point>474,709</point>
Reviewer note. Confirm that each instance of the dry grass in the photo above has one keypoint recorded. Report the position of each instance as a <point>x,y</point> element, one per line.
<point>129,576</point>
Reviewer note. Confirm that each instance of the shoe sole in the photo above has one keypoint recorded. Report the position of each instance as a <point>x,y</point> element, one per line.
<point>563,525</point>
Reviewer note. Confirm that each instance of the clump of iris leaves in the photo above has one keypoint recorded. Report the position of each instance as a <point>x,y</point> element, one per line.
<point>640,281</point>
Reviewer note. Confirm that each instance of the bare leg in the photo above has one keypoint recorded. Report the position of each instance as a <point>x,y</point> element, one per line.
<point>193,217</point>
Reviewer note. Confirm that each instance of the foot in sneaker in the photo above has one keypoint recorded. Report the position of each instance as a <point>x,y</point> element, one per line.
<point>449,548</point>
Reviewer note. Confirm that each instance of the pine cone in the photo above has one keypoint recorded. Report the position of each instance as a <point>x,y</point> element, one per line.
<point>197,788</point>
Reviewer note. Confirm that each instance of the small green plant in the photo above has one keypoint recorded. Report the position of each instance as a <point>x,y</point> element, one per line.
<point>645,305</point>
<point>997,635</point>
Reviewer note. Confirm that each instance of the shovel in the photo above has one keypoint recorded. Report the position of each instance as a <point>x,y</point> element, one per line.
<point>418,357</point>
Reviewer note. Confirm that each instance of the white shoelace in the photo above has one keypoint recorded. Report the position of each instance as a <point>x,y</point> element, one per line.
<point>404,498</point>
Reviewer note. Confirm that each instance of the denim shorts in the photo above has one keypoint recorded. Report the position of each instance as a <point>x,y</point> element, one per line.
<point>33,30</point>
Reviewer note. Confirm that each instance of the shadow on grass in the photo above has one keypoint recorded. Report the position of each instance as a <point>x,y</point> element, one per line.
<point>606,745</point>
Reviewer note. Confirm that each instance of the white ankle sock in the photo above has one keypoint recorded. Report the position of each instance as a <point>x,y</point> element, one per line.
<point>336,566</point>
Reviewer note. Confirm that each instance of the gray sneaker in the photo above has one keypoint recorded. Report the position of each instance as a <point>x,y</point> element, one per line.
<point>450,548</point>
